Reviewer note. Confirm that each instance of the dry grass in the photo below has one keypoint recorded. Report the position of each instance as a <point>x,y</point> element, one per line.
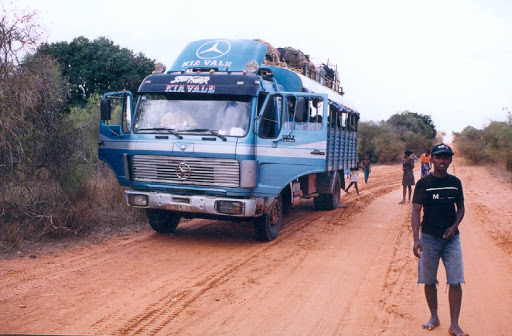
<point>41,211</point>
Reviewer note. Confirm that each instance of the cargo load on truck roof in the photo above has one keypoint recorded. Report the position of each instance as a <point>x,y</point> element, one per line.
<point>296,60</point>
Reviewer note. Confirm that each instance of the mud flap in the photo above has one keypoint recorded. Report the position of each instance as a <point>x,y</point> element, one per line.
<point>325,182</point>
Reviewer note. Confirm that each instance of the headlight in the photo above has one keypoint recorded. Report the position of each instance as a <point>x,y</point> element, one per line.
<point>252,66</point>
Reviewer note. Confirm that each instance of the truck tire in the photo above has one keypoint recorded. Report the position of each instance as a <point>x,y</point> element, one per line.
<point>266,227</point>
<point>329,201</point>
<point>163,221</point>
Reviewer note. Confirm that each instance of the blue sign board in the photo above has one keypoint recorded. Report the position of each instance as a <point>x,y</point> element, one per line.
<point>219,54</point>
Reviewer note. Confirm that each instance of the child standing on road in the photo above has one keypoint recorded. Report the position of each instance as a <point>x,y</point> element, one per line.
<point>353,180</point>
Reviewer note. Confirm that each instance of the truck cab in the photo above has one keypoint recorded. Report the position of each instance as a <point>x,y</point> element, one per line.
<point>222,135</point>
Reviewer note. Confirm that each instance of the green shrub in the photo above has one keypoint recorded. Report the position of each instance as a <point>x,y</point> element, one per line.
<point>386,141</point>
<point>493,144</point>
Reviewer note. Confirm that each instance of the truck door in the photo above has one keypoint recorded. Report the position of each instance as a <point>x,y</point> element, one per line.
<point>115,132</point>
<point>291,139</point>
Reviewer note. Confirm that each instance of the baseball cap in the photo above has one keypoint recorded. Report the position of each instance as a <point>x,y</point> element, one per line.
<point>441,149</point>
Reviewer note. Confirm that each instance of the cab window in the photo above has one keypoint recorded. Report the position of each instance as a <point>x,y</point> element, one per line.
<point>270,123</point>
<point>307,114</point>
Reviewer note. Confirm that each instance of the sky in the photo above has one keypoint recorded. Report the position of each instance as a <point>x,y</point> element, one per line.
<point>450,59</point>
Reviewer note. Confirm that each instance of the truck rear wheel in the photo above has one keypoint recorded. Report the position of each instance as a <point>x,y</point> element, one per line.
<point>330,201</point>
<point>266,227</point>
<point>163,221</point>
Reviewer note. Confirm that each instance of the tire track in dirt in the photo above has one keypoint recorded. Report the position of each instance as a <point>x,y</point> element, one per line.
<point>162,311</point>
<point>398,277</point>
<point>381,285</point>
<point>484,196</point>
<point>169,305</point>
<point>16,282</point>
<point>503,240</point>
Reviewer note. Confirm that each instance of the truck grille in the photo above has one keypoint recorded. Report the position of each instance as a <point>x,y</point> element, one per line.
<point>183,170</point>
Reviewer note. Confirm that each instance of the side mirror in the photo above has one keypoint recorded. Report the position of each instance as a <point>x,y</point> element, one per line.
<point>105,109</point>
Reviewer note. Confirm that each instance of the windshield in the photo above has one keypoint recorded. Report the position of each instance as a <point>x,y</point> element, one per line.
<point>160,112</point>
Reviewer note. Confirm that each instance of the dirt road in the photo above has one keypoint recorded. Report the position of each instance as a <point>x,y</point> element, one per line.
<point>345,272</point>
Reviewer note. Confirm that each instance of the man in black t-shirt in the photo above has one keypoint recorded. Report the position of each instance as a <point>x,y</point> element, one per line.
<point>441,197</point>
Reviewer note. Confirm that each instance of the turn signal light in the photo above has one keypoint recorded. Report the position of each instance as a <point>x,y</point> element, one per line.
<point>138,200</point>
<point>229,207</point>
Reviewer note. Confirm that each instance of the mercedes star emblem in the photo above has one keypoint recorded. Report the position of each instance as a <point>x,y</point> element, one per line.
<point>183,171</point>
<point>213,49</point>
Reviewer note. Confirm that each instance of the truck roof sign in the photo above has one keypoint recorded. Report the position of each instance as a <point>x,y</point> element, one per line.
<point>220,54</point>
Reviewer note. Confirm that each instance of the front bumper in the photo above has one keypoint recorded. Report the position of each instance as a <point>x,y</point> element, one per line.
<point>249,207</point>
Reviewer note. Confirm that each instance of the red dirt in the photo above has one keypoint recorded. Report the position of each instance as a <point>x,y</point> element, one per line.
<point>349,271</point>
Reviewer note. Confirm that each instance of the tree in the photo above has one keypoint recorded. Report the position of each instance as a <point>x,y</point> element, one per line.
<point>417,131</point>
<point>19,34</point>
<point>31,93</point>
<point>98,66</point>
<point>36,137</point>
<point>414,122</point>
<point>367,131</point>
<point>469,143</point>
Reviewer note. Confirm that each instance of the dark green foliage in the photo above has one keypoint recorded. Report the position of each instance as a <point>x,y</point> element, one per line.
<point>386,141</point>
<point>493,144</point>
<point>407,122</point>
<point>98,66</point>
<point>416,131</point>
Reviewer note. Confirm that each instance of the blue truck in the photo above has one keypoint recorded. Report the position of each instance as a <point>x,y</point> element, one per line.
<point>225,134</point>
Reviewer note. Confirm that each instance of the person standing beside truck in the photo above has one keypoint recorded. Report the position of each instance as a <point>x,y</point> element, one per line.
<point>408,175</point>
<point>441,197</point>
<point>365,165</point>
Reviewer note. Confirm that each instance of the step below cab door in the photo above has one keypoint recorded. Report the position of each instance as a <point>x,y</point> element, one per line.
<point>115,133</point>
<point>291,138</point>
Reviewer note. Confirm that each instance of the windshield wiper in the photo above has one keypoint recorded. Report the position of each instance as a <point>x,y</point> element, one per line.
<point>214,132</point>
<point>168,130</point>
<point>195,130</point>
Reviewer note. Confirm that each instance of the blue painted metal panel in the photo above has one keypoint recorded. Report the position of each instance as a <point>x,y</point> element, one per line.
<point>290,155</point>
<point>289,80</point>
<point>221,54</point>
<point>113,141</point>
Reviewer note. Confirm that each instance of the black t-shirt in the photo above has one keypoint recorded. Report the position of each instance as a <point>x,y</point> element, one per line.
<point>438,197</point>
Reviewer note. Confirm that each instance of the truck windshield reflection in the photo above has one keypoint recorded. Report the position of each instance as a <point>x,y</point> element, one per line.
<point>220,117</point>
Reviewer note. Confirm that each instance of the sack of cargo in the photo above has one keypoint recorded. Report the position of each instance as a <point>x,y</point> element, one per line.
<point>293,55</point>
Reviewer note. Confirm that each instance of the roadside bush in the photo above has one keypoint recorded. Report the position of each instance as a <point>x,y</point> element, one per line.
<point>36,153</point>
<point>389,146</point>
<point>493,144</point>
<point>385,141</point>
<point>468,142</point>
<point>367,133</point>
<point>51,179</point>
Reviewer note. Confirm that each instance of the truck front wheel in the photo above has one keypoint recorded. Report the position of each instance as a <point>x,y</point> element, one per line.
<point>266,227</point>
<point>163,221</point>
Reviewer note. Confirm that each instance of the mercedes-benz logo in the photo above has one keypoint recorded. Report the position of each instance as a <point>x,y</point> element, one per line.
<point>213,49</point>
<point>183,171</point>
